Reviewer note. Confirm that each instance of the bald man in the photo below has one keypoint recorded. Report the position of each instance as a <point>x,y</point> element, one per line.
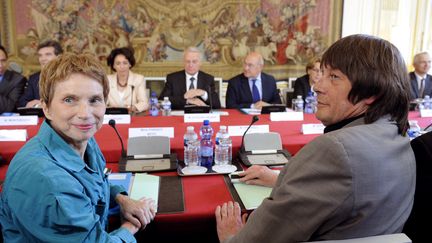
<point>252,88</point>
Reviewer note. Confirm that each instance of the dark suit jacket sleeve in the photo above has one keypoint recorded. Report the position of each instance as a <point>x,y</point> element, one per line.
<point>234,97</point>
<point>11,91</point>
<point>209,84</point>
<point>171,90</point>
<point>301,86</point>
<point>270,83</point>
<point>30,92</point>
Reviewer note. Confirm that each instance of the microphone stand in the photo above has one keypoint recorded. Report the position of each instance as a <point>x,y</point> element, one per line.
<point>131,103</point>
<point>254,119</point>
<point>112,123</point>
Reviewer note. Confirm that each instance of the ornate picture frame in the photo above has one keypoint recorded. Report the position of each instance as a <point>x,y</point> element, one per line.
<point>286,32</point>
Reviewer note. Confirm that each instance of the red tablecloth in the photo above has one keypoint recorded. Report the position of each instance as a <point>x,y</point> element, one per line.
<point>201,193</point>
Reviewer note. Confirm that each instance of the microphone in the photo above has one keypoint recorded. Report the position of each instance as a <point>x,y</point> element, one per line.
<point>131,104</point>
<point>254,119</point>
<point>112,123</point>
<point>210,98</point>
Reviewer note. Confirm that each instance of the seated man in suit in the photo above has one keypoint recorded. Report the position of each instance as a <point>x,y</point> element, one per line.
<point>355,180</point>
<point>191,86</point>
<point>421,81</point>
<point>47,51</point>
<point>11,84</point>
<point>252,88</point>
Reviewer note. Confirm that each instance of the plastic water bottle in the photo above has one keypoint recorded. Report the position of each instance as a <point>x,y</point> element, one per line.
<point>166,107</point>
<point>427,105</point>
<point>310,103</point>
<point>206,133</point>
<point>154,110</point>
<point>414,129</point>
<point>191,155</point>
<point>299,103</point>
<point>223,147</point>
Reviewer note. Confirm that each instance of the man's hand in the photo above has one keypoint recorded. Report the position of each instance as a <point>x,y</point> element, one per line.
<point>196,101</point>
<point>33,103</point>
<point>229,220</point>
<point>192,93</point>
<point>259,175</point>
<point>260,104</point>
<point>138,212</point>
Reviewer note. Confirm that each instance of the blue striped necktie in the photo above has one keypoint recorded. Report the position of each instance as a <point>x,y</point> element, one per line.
<point>255,92</point>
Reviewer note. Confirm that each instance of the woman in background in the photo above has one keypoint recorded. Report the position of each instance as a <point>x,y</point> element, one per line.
<point>303,85</point>
<point>127,89</point>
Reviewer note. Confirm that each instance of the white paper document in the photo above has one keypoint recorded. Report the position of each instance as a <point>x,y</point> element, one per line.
<point>239,130</point>
<point>151,131</point>
<point>13,135</point>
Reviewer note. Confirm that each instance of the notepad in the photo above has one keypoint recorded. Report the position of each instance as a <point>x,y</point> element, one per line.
<point>121,179</point>
<point>145,185</point>
<point>251,195</point>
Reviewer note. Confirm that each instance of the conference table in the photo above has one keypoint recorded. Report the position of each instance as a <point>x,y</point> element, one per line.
<point>201,194</point>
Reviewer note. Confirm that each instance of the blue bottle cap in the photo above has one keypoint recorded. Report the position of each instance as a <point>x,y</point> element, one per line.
<point>206,122</point>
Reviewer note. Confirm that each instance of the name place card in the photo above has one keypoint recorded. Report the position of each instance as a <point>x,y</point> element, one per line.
<point>200,117</point>
<point>239,130</point>
<point>315,128</point>
<point>426,113</point>
<point>286,116</point>
<point>119,119</point>
<point>18,120</point>
<point>151,131</point>
<point>13,135</point>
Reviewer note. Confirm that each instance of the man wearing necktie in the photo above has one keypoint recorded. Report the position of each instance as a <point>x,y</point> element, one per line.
<point>11,84</point>
<point>252,88</point>
<point>421,81</point>
<point>191,86</point>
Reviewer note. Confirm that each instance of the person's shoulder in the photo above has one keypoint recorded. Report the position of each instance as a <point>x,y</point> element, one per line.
<point>34,78</point>
<point>176,73</point>
<point>237,78</point>
<point>205,75</point>
<point>267,77</point>
<point>12,75</point>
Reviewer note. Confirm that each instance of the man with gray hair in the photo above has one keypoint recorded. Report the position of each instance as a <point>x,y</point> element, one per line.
<point>421,81</point>
<point>252,88</point>
<point>191,86</point>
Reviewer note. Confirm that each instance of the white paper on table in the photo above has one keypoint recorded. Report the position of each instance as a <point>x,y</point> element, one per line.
<point>200,117</point>
<point>18,120</point>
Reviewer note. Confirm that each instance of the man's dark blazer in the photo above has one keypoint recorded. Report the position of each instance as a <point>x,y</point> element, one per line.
<point>31,92</point>
<point>415,227</point>
<point>11,89</point>
<point>239,94</point>
<point>175,88</point>
<point>415,89</point>
<point>302,86</point>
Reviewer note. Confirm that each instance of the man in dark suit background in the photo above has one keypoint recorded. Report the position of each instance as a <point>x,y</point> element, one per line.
<point>421,82</point>
<point>11,84</point>
<point>191,86</point>
<point>47,51</point>
<point>252,88</point>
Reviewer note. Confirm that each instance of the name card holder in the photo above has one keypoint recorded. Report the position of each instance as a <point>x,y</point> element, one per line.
<point>151,131</point>
<point>286,116</point>
<point>19,135</point>
<point>120,119</point>
<point>239,130</point>
<point>18,120</point>
<point>200,117</point>
<point>315,128</point>
<point>426,113</point>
